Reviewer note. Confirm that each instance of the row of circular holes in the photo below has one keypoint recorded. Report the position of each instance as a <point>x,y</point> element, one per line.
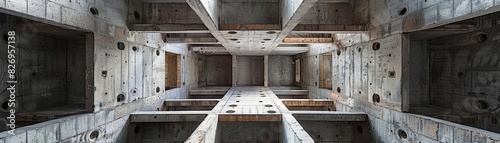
<point>268,111</point>
<point>239,95</point>
<point>477,38</point>
<point>121,97</point>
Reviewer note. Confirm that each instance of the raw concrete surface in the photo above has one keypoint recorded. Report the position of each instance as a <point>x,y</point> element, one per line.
<point>374,68</point>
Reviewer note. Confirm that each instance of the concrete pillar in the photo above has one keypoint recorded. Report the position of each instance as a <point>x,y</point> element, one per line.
<point>235,65</point>
<point>266,70</point>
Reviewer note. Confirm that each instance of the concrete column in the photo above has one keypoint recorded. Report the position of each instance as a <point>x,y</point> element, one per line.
<point>266,70</point>
<point>235,65</point>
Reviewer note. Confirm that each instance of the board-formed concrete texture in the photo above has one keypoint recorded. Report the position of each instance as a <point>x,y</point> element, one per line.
<point>144,71</point>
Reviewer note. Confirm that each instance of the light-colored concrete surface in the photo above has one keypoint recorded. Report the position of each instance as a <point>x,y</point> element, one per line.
<point>370,70</point>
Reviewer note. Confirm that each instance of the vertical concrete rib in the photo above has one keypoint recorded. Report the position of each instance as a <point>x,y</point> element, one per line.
<point>266,70</point>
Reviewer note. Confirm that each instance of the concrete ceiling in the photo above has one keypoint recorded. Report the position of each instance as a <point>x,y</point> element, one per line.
<point>248,27</point>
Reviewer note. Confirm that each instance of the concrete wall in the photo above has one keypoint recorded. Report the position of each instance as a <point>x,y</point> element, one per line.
<point>136,74</point>
<point>217,70</point>
<point>281,71</point>
<point>362,71</point>
<point>254,13</point>
<point>250,71</point>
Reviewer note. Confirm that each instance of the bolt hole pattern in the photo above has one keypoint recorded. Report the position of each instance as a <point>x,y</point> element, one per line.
<point>120,46</point>
<point>94,11</point>
<point>479,38</point>
<point>5,105</point>
<point>137,16</point>
<point>402,134</point>
<point>392,74</point>
<point>483,105</point>
<point>359,129</point>
<point>403,11</point>
<point>376,98</point>
<point>376,46</point>
<point>137,129</point>
<point>94,135</point>
<point>120,97</point>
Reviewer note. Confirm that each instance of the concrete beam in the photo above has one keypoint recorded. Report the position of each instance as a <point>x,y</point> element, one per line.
<point>208,50</point>
<point>283,50</point>
<point>170,28</point>
<point>335,1</point>
<point>207,92</point>
<point>168,116</point>
<point>205,40</point>
<point>163,1</point>
<point>290,92</point>
<point>191,102</point>
<point>292,12</point>
<point>307,40</point>
<point>208,11</point>
<point>327,28</point>
<point>333,116</point>
<point>250,27</point>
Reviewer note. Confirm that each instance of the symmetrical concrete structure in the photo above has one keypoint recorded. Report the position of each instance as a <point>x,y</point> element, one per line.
<point>250,71</point>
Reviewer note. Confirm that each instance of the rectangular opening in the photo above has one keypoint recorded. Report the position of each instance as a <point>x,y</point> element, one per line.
<point>51,66</point>
<point>454,73</point>
<point>290,92</point>
<point>250,70</point>
<point>165,128</point>
<point>208,92</point>
<point>259,14</point>
<point>250,131</point>
<point>189,105</point>
<point>172,70</point>
<point>328,128</point>
<point>216,70</point>
<point>325,70</point>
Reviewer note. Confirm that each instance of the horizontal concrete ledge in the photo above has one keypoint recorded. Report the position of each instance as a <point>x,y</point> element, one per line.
<point>228,27</point>
<point>191,102</point>
<point>207,92</point>
<point>246,117</point>
<point>290,92</point>
<point>168,116</point>
<point>333,116</point>
<point>473,129</point>
<point>308,100</point>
